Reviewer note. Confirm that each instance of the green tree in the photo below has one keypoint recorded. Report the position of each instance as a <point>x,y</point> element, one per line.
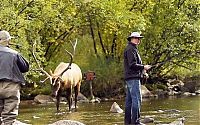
<point>172,35</point>
<point>171,30</point>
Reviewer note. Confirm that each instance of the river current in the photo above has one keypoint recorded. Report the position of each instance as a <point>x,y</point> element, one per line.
<point>163,111</point>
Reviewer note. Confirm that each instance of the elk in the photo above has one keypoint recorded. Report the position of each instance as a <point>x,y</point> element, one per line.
<point>65,77</point>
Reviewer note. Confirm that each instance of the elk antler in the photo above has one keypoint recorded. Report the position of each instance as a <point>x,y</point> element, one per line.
<point>74,46</point>
<point>41,69</point>
<point>71,56</point>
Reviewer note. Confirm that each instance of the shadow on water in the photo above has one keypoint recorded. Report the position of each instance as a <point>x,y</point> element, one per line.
<point>162,110</point>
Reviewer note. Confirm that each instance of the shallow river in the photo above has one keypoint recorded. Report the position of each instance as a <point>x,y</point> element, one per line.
<point>162,110</point>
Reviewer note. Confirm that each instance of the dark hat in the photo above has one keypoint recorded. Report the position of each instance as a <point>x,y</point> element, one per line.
<point>134,35</point>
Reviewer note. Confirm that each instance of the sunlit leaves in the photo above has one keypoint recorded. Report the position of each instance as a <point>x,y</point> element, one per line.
<point>171,28</point>
<point>172,34</point>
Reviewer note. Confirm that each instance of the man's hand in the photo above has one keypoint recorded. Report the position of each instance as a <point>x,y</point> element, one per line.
<point>147,67</point>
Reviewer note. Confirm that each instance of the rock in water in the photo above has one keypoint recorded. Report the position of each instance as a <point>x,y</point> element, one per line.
<point>43,99</point>
<point>67,122</point>
<point>179,121</point>
<point>147,120</point>
<point>115,108</point>
<point>145,92</point>
<point>20,123</point>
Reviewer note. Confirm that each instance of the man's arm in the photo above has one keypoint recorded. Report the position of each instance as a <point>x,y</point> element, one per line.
<point>22,64</point>
<point>132,60</point>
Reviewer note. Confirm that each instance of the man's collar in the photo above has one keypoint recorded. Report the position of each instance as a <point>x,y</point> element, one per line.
<point>132,44</point>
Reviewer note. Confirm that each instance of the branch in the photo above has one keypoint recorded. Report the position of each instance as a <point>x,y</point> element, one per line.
<point>20,12</point>
<point>178,64</point>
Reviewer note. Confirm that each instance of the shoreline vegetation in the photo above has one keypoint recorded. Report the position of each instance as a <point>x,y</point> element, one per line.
<point>146,94</point>
<point>171,87</point>
<point>100,27</point>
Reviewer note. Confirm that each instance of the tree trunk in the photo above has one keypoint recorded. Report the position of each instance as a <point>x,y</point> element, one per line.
<point>113,47</point>
<point>92,34</point>
<point>101,41</point>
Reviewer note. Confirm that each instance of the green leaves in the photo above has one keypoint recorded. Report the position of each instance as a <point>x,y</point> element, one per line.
<point>171,29</point>
<point>172,34</point>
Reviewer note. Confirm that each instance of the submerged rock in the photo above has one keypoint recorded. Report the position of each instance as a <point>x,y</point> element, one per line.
<point>115,108</point>
<point>95,100</point>
<point>20,123</point>
<point>147,120</point>
<point>179,121</point>
<point>197,92</point>
<point>145,92</point>
<point>43,99</point>
<point>81,98</point>
<point>67,122</point>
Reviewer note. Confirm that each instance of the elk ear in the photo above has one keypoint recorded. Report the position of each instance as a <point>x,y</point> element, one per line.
<point>50,71</point>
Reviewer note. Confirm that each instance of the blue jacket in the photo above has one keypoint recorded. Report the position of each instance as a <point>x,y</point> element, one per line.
<point>132,63</point>
<point>12,65</point>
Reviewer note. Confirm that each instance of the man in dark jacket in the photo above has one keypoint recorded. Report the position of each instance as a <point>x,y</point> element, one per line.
<point>12,65</point>
<point>133,69</point>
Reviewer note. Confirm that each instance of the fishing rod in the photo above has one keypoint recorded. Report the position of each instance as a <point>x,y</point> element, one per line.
<point>145,74</point>
<point>158,64</point>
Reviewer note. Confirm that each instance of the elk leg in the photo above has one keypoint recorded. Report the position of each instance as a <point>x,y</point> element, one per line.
<point>69,97</point>
<point>58,100</point>
<point>76,95</point>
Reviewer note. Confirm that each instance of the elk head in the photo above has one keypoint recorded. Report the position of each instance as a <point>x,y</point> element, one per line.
<point>56,84</point>
<point>55,80</point>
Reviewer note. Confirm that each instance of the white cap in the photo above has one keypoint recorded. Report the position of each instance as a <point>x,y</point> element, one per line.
<point>4,36</point>
<point>134,35</point>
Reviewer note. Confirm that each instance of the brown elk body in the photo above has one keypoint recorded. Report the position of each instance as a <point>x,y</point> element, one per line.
<point>65,77</point>
<point>70,79</point>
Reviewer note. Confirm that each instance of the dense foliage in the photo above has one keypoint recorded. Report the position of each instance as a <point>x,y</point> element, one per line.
<point>171,29</point>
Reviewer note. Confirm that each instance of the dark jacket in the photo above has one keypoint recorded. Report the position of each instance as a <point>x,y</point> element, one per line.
<point>12,65</point>
<point>132,62</point>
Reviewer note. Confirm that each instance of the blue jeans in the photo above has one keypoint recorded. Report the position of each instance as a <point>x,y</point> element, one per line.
<point>132,102</point>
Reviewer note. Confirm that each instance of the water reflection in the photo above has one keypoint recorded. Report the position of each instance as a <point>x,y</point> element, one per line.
<point>162,110</point>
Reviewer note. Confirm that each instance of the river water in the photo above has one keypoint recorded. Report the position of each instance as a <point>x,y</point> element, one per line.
<point>163,110</point>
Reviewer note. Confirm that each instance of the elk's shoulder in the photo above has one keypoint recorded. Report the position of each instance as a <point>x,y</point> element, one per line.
<point>61,67</point>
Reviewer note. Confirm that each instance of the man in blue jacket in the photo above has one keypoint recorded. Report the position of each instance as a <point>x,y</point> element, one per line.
<point>133,69</point>
<point>12,65</point>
